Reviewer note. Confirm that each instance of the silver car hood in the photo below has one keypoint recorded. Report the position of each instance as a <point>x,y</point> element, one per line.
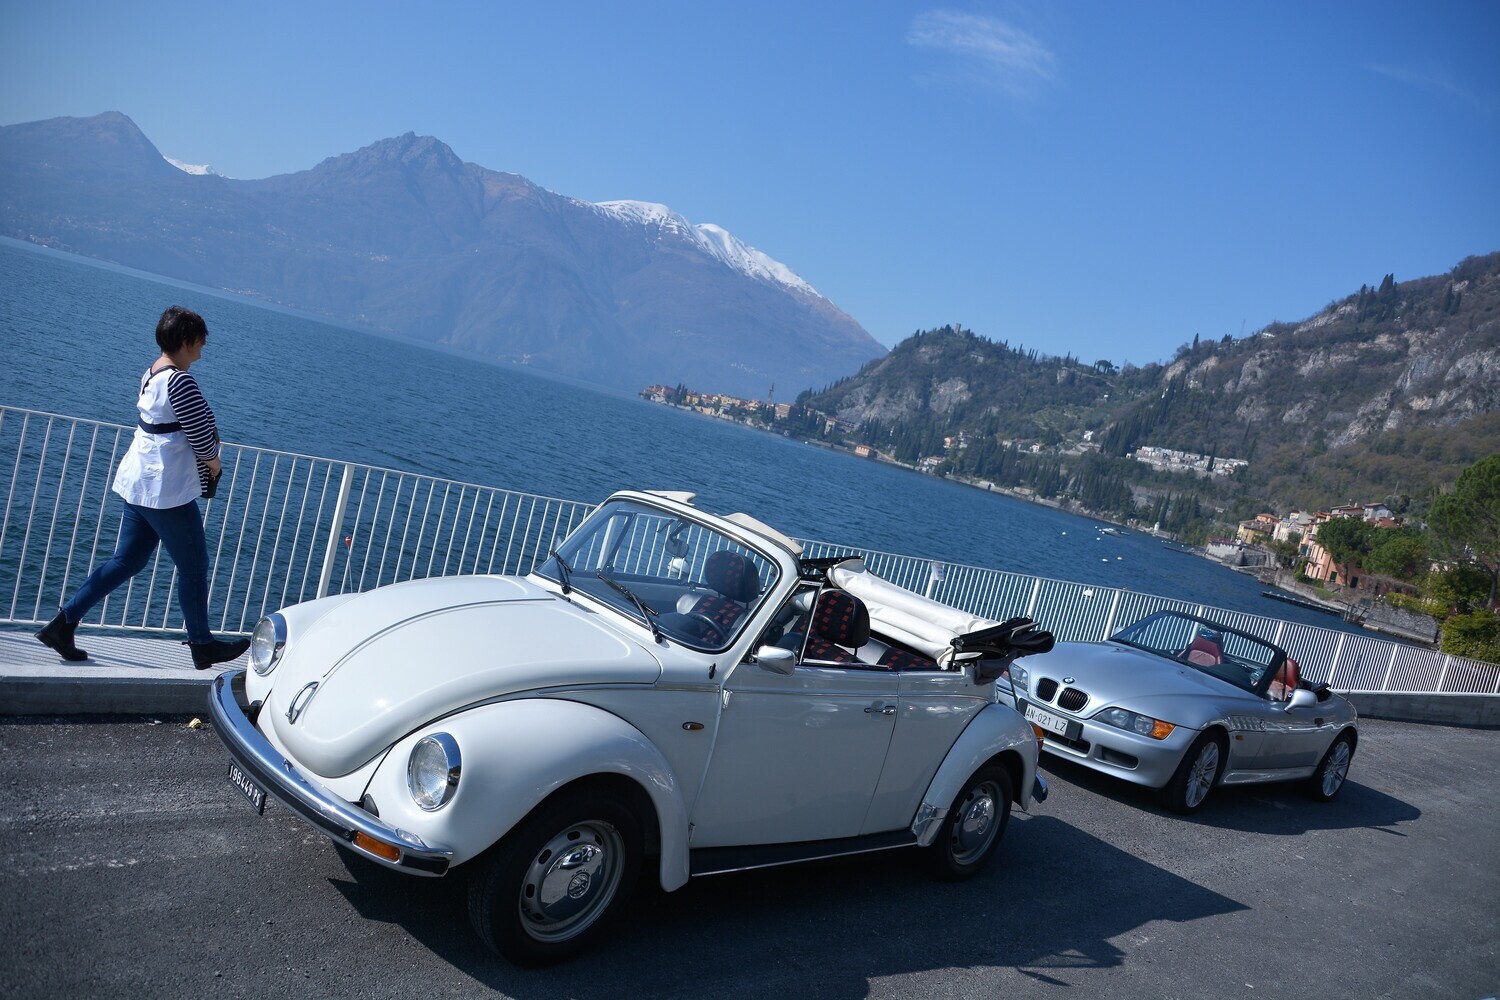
<point>1117,676</point>
<point>388,661</point>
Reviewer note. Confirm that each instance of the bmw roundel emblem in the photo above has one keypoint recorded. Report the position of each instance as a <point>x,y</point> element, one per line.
<point>1067,680</point>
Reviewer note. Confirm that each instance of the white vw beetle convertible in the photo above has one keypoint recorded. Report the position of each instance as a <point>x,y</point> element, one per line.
<point>669,688</point>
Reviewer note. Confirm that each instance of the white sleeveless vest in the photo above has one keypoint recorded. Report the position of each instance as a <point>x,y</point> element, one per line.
<point>159,470</point>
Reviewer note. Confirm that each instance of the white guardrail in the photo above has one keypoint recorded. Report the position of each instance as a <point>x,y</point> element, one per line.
<point>287,528</point>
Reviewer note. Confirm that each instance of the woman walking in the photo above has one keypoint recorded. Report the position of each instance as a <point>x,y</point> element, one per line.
<point>172,461</point>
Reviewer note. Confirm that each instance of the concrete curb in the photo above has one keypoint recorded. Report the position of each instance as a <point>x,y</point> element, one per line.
<point>103,696</point>
<point>1446,709</point>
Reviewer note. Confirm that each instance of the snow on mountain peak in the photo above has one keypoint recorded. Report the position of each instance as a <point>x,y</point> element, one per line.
<point>711,239</point>
<point>200,169</point>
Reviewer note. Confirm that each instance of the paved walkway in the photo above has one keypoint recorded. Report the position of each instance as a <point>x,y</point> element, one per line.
<point>125,673</point>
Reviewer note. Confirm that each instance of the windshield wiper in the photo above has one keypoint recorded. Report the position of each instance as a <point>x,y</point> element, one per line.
<point>564,571</point>
<point>647,612</point>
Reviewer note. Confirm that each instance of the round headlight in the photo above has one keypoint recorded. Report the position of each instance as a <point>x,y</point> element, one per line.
<point>1019,678</point>
<point>432,772</point>
<point>266,643</point>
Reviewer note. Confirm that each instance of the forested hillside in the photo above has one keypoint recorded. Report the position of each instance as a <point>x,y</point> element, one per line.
<point>1388,392</point>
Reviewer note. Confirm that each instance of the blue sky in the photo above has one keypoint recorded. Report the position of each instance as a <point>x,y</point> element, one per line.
<point>1100,179</point>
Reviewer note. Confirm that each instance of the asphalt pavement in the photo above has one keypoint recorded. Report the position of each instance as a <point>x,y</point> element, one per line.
<point>130,868</point>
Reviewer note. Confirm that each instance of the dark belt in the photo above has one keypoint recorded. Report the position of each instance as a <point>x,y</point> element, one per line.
<point>171,428</point>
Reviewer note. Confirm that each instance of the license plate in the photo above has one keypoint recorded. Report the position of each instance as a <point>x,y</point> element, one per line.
<point>1048,721</point>
<point>247,787</point>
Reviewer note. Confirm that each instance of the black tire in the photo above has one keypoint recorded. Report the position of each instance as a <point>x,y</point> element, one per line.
<point>973,827</point>
<point>1332,770</point>
<point>522,900</point>
<point>1196,775</point>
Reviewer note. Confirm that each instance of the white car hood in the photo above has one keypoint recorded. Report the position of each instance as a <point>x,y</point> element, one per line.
<point>399,657</point>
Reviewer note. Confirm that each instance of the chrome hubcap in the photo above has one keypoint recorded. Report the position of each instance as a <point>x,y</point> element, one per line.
<point>1336,769</point>
<point>571,880</point>
<point>976,824</point>
<point>1201,775</point>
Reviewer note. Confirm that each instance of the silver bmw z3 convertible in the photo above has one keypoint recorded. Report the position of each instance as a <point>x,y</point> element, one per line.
<point>1182,704</point>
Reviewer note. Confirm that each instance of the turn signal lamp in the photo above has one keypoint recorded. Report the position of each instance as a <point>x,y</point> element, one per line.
<point>365,842</point>
<point>1161,730</point>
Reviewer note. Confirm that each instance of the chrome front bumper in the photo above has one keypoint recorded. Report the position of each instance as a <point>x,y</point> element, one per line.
<point>343,822</point>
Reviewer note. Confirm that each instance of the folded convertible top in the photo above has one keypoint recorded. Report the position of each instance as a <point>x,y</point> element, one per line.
<point>904,615</point>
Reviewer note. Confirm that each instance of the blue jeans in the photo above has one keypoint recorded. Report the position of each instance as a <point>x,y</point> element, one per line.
<point>180,529</point>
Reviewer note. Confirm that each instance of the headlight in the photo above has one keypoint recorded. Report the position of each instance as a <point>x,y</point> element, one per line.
<point>266,643</point>
<point>433,771</point>
<point>1141,725</point>
<point>1019,679</point>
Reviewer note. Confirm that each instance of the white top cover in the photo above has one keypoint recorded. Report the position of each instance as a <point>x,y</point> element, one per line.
<point>159,470</point>
<point>919,622</point>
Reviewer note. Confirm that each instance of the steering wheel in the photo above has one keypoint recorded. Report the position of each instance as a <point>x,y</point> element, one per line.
<point>715,633</point>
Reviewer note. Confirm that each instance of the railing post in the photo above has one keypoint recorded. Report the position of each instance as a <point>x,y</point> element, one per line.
<point>935,575</point>
<point>1338,657</point>
<point>335,527</point>
<point>1390,666</point>
<point>1443,674</point>
<point>1109,622</point>
<point>1036,587</point>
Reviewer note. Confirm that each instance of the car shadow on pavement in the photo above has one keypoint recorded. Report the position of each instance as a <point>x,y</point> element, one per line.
<point>1052,900</point>
<point>1278,808</point>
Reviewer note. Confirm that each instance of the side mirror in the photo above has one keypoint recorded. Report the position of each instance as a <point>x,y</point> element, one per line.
<point>775,659</point>
<point>1301,698</point>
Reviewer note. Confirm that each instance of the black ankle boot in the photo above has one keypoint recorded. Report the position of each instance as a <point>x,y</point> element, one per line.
<point>206,654</point>
<point>58,634</point>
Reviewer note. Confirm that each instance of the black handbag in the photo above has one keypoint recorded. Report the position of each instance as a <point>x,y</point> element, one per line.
<point>213,485</point>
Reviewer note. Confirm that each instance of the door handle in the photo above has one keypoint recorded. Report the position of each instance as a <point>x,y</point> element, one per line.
<point>880,709</point>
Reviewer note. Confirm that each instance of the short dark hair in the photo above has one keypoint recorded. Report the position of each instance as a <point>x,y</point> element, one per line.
<point>179,327</point>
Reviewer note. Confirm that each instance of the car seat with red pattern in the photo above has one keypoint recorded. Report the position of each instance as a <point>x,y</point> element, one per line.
<point>840,623</point>
<point>735,583</point>
<point>900,659</point>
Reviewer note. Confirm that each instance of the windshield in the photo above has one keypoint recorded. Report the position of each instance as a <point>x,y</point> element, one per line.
<point>680,578</point>
<point>1229,655</point>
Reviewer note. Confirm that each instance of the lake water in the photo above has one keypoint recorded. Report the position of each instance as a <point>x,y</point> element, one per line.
<point>77,336</point>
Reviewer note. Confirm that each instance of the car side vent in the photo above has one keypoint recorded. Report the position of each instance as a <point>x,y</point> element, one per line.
<point>1072,699</point>
<point>1046,688</point>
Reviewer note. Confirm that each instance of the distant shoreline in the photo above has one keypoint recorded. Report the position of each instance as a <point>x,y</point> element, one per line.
<point>982,485</point>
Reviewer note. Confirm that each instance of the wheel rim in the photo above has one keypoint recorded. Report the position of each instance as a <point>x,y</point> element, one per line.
<point>1201,775</point>
<point>571,880</point>
<point>1336,769</point>
<point>976,824</point>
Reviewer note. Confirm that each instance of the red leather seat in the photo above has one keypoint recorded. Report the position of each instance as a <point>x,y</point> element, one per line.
<point>1285,681</point>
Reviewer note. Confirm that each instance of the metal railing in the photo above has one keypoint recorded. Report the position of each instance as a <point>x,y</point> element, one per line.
<point>286,528</point>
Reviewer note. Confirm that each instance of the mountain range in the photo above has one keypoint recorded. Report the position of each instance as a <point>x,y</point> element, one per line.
<point>1389,391</point>
<point>404,237</point>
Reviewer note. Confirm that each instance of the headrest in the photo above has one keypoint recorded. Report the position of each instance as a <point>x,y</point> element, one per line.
<point>732,575</point>
<point>841,618</point>
<point>1288,674</point>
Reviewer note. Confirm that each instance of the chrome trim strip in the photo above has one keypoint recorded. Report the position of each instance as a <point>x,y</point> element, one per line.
<point>777,855</point>
<point>329,815</point>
